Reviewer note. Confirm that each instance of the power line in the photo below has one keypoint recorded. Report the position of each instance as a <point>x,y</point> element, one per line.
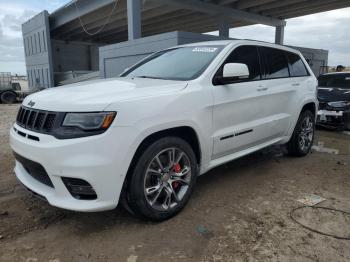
<point>102,27</point>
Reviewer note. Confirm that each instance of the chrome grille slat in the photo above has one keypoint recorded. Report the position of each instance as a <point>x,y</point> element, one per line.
<point>25,118</point>
<point>34,121</point>
<point>39,121</point>
<point>19,114</point>
<point>49,121</point>
<point>31,117</point>
<point>22,115</point>
<point>44,121</point>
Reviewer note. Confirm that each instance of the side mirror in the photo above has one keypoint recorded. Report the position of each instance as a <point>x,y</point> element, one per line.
<point>235,70</point>
<point>232,72</point>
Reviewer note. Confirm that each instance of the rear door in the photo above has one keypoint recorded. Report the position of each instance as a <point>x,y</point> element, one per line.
<point>280,94</point>
<point>301,82</point>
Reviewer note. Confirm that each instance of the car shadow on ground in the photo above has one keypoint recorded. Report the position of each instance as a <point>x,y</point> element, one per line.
<point>45,215</point>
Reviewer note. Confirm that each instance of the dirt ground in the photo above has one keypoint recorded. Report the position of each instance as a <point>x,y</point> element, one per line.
<point>238,212</point>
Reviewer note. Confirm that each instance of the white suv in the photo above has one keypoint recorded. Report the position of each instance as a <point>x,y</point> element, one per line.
<point>144,137</point>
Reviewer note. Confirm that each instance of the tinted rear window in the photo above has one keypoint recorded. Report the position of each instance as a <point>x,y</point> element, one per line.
<point>296,65</point>
<point>275,63</point>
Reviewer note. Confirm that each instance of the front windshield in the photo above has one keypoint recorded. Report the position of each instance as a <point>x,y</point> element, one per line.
<point>182,63</point>
<point>335,80</point>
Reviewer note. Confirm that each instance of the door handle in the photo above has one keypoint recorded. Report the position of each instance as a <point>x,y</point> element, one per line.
<point>296,84</point>
<point>262,89</point>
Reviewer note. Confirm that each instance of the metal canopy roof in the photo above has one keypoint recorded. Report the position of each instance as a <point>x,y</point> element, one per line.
<point>159,16</point>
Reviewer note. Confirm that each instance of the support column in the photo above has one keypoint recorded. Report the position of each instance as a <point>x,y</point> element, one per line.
<point>224,28</point>
<point>134,19</point>
<point>279,34</point>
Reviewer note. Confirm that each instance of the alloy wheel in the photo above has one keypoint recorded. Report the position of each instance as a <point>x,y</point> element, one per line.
<point>167,179</point>
<point>306,133</point>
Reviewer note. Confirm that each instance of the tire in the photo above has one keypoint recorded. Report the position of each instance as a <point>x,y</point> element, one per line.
<point>8,97</point>
<point>147,192</point>
<point>303,135</point>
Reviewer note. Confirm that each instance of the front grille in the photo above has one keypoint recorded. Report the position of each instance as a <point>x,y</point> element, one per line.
<point>36,120</point>
<point>35,170</point>
<point>50,123</point>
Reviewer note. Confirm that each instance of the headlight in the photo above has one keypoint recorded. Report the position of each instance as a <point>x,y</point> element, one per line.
<point>339,104</point>
<point>89,121</point>
<point>76,125</point>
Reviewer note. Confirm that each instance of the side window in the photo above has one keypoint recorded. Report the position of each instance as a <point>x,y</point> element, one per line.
<point>275,62</point>
<point>246,55</point>
<point>296,65</point>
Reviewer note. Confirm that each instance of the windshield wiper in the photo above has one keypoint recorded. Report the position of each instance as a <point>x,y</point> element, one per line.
<point>151,77</point>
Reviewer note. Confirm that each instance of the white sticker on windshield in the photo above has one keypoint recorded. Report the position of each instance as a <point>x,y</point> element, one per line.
<point>204,49</point>
<point>347,78</point>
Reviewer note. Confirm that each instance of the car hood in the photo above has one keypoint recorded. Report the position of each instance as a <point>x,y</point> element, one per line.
<point>96,95</point>
<point>333,94</point>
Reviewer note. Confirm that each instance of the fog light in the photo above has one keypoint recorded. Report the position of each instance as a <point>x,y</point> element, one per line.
<point>79,188</point>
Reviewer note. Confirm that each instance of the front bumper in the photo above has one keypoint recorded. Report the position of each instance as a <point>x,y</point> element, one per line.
<point>331,118</point>
<point>101,160</point>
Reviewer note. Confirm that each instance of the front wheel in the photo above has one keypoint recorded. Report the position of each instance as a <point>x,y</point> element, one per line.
<point>303,136</point>
<point>162,180</point>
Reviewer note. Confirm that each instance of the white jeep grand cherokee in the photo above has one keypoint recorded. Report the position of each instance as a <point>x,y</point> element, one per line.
<point>144,137</point>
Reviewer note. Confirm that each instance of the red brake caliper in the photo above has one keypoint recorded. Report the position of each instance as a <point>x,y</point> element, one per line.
<point>177,169</point>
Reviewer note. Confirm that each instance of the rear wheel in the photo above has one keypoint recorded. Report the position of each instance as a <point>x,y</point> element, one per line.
<point>162,179</point>
<point>8,97</point>
<point>303,136</point>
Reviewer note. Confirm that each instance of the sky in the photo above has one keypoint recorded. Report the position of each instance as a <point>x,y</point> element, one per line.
<point>328,30</point>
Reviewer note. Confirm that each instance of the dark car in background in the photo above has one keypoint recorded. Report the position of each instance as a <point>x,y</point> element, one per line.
<point>334,100</point>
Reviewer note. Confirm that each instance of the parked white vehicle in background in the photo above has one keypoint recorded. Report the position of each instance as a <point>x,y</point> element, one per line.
<point>144,137</point>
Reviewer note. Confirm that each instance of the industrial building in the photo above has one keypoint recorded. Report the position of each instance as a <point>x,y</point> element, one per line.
<point>100,38</point>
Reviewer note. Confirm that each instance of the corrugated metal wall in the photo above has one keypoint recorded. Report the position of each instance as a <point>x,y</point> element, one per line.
<point>37,49</point>
<point>317,58</point>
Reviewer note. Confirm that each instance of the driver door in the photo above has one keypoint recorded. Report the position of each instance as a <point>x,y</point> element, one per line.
<point>240,113</point>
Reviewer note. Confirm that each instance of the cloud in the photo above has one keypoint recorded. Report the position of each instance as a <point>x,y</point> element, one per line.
<point>11,43</point>
<point>328,30</point>
<point>14,22</point>
<point>12,15</point>
<point>325,31</point>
